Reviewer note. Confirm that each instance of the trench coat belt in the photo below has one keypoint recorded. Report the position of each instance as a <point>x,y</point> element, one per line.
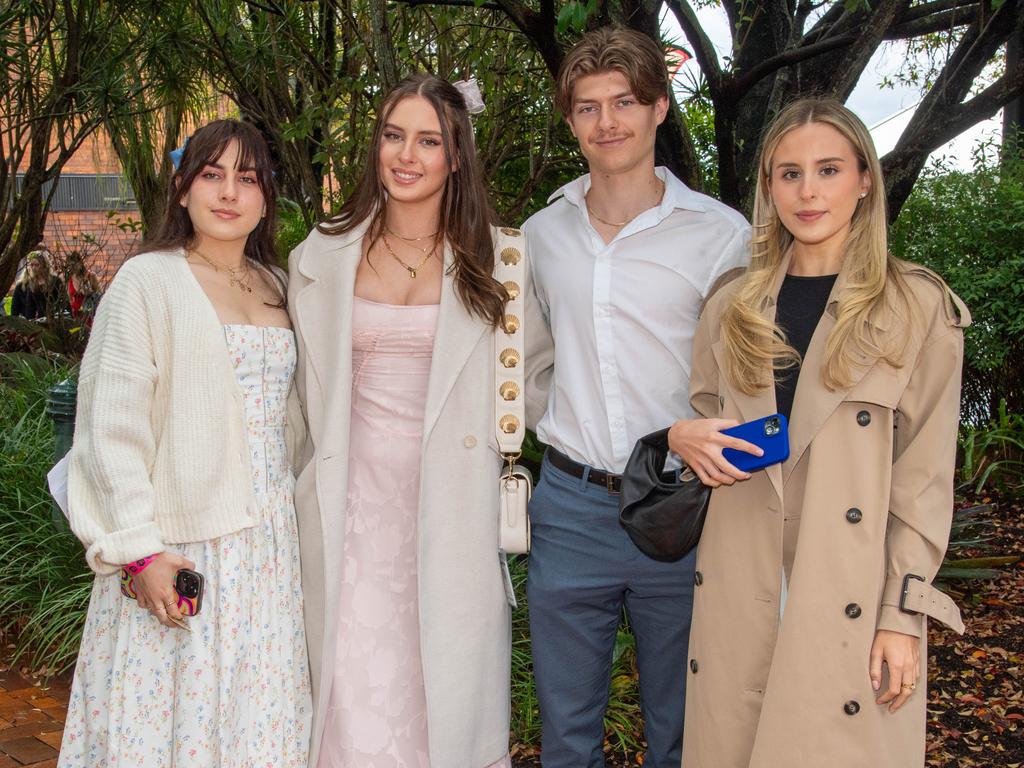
<point>921,597</point>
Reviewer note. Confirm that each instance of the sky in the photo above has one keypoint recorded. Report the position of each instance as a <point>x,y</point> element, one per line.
<point>885,111</point>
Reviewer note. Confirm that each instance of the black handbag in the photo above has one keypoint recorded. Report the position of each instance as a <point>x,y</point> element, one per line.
<point>663,518</point>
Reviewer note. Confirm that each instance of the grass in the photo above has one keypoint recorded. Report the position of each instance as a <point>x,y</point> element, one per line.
<point>44,581</point>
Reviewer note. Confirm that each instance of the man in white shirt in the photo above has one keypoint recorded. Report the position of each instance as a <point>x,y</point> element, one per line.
<point>622,259</point>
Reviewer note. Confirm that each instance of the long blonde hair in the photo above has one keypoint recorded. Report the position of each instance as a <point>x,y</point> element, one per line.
<point>755,345</point>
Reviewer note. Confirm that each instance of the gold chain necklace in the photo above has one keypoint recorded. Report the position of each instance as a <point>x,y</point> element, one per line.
<point>605,221</point>
<point>390,231</point>
<point>236,281</point>
<point>411,270</point>
<point>614,223</point>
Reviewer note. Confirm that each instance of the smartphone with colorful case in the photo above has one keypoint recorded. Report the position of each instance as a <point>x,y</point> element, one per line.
<point>188,584</point>
<point>770,434</point>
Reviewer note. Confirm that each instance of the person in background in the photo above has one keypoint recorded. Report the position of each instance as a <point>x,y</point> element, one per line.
<point>83,286</point>
<point>816,575</point>
<point>623,257</point>
<point>186,422</point>
<point>37,293</point>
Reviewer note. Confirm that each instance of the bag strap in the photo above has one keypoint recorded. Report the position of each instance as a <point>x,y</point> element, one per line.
<point>509,347</point>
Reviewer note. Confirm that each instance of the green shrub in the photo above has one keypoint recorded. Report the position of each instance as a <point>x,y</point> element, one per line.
<point>44,581</point>
<point>969,227</point>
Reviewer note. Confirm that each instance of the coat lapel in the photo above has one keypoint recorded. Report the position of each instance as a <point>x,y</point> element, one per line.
<point>455,339</point>
<point>323,308</point>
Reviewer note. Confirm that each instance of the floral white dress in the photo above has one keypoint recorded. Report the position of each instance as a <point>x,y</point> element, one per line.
<point>235,691</point>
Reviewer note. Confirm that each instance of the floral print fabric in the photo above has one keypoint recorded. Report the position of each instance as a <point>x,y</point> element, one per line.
<point>235,691</point>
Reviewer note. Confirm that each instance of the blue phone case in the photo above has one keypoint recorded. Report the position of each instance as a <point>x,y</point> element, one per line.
<point>770,434</point>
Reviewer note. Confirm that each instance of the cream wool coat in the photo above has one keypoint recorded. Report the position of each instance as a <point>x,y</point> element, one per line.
<point>870,473</point>
<point>465,631</point>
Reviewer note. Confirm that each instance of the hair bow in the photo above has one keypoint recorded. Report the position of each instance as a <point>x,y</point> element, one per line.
<point>176,154</point>
<point>470,91</point>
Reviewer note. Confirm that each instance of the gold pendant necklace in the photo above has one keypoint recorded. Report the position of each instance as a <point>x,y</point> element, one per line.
<point>411,270</point>
<point>234,280</point>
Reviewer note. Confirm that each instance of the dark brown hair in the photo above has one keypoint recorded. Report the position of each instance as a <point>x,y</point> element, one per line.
<point>614,49</point>
<point>203,148</point>
<point>466,213</point>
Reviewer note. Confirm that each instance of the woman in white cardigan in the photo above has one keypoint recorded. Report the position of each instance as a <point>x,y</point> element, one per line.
<point>396,311</point>
<point>180,461</point>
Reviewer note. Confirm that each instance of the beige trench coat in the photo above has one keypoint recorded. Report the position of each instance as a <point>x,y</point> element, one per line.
<point>464,615</point>
<point>870,475</point>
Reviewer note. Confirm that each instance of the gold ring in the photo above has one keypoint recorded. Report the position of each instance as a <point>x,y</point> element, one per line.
<point>909,686</point>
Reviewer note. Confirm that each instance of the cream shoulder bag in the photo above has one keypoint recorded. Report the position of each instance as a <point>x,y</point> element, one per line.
<point>514,482</point>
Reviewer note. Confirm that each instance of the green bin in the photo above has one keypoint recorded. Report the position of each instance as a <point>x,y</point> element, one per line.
<point>60,405</point>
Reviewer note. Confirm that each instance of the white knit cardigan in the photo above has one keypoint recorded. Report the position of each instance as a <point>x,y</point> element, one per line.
<point>160,453</point>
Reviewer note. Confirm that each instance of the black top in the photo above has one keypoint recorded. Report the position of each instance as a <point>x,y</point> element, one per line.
<point>36,304</point>
<point>801,302</point>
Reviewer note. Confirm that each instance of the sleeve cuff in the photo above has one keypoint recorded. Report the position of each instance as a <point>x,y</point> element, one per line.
<point>893,619</point>
<point>108,553</point>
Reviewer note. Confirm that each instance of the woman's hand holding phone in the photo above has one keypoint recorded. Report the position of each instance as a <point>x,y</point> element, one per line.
<point>154,588</point>
<point>700,443</point>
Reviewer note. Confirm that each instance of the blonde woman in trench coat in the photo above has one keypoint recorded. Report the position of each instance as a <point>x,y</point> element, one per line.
<point>814,577</point>
<point>424,180</point>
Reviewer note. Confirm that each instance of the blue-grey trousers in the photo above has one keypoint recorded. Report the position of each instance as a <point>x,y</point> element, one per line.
<point>583,566</point>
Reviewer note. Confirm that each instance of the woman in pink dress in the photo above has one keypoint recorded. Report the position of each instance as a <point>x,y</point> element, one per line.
<point>395,309</point>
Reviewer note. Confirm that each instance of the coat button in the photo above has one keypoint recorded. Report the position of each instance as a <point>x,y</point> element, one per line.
<point>851,707</point>
<point>853,610</point>
<point>698,578</point>
<point>693,666</point>
<point>863,418</point>
<point>854,515</point>
<point>469,441</point>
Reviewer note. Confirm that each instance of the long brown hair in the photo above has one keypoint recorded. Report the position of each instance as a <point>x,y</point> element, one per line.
<point>755,344</point>
<point>466,213</point>
<point>203,148</point>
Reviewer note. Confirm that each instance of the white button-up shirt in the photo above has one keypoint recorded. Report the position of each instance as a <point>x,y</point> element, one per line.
<point>623,314</point>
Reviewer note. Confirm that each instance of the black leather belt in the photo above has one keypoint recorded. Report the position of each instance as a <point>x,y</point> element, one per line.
<point>607,480</point>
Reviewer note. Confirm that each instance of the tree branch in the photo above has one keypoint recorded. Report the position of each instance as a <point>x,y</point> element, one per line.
<point>856,57</point>
<point>703,48</point>
<point>751,77</point>
<point>456,3</point>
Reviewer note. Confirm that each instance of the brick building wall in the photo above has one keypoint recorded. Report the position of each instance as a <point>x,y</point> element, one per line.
<point>97,236</point>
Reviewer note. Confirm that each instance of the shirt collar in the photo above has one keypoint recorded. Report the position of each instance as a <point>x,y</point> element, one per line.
<point>677,194</point>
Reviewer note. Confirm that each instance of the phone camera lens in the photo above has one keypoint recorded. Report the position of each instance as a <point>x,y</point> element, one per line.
<point>772,427</point>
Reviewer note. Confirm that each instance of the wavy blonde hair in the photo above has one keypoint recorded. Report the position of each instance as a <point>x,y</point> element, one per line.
<point>754,344</point>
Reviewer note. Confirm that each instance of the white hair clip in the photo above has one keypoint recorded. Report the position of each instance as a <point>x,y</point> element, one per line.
<point>471,95</point>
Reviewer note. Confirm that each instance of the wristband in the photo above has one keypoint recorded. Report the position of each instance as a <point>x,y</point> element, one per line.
<point>136,567</point>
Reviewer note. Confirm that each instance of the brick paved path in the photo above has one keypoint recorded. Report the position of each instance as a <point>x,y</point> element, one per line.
<point>31,720</point>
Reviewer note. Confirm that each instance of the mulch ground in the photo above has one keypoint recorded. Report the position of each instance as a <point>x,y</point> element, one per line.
<point>975,686</point>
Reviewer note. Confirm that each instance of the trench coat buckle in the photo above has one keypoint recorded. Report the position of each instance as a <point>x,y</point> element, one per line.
<point>906,590</point>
